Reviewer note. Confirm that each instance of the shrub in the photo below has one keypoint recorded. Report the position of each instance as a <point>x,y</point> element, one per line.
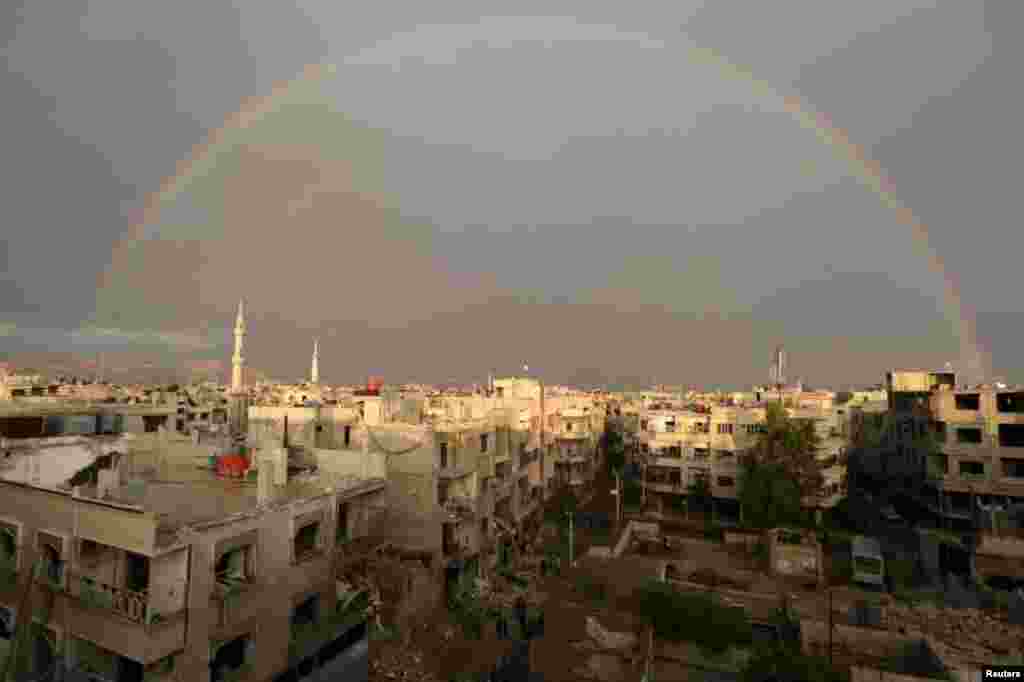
<point>692,616</point>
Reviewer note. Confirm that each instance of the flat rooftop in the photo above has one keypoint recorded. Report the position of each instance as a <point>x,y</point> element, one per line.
<point>180,486</point>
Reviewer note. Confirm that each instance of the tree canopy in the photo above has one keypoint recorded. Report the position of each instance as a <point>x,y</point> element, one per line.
<point>788,449</point>
<point>695,617</point>
<point>768,496</point>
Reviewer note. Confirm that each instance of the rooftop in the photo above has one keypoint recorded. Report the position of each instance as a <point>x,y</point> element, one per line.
<point>179,485</point>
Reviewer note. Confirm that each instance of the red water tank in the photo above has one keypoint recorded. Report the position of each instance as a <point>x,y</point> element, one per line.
<point>232,465</point>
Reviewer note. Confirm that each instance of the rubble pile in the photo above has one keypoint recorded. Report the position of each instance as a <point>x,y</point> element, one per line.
<point>960,633</point>
<point>401,664</point>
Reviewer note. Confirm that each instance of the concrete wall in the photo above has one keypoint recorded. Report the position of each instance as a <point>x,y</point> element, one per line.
<point>352,463</point>
<point>263,611</point>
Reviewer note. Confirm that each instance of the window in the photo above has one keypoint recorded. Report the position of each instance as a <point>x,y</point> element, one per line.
<point>726,481</point>
<point>230,656</point>
<point>444,455</point>
<point>307,541</point>
<point>305,615</point>
<point>8,547</point>
<point>348,435</point>
<point>568,426</point>
<point>968,401</point>
<point>1013,468</point>
<point>1011,435</point>
<point>235,566</point>
<point>483,442</point>
<point>972,468</point>
<point>725,429</point>
<point>1010,402</point>
<point>50,548</point>
<point>342,532</point>
<point>442,493</point>
<point>968,435</point>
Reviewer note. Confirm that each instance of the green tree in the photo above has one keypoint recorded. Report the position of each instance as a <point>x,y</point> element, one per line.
<point>791,446</point>
<point>768,496</point>
<point>613,446</point>
<point>783,660</point>
<point>698,492</point>
<point>696,617</point>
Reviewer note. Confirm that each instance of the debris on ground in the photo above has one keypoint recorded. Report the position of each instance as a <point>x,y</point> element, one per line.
<point>607,639</point>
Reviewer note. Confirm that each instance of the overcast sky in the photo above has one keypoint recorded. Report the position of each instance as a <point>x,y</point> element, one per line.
<point>472,190</point>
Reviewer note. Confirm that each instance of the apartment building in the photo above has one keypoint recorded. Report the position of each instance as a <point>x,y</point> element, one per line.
<point>680,446</point>
<point>135,558</point>
<point>575,433</point>
<point>980,434</point>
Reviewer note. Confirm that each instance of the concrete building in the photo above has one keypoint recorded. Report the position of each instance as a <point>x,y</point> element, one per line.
<point>680,446</point>
<point>979,432</point>
<point>137,559</point>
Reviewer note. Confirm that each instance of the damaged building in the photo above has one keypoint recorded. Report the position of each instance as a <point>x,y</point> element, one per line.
<point>144,556</point>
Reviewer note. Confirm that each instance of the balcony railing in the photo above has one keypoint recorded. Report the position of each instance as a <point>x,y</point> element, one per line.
<point>973,476</point>
<point>148,607</point>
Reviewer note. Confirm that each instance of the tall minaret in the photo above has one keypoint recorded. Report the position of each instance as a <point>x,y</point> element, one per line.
<point>237,360</point>
<point>314,372</point>
<point>239,419</point>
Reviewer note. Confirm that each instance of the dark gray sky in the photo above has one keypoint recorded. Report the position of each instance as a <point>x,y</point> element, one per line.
<point>474,190</point>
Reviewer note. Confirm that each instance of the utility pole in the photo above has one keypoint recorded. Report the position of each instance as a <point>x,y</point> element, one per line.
<point>571,538</point>
<point>830,626</point>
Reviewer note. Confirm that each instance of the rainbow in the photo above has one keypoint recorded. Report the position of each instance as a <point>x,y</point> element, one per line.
<point>870,173</point>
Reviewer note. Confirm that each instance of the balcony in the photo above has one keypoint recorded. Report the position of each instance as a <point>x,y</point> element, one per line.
<point>144,626</point>
<point>973,476</point>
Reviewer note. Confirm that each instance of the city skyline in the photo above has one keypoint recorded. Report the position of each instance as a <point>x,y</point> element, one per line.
<point>405,222</point>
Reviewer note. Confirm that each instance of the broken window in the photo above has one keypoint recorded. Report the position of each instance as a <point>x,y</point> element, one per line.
<point>348,435</point>
<point>230,656</point>
<point>968,401</point>
<point>972,468</point>
<point>152,424</point>
<point>968,435</point>
<point>444,455</point>
<point>1013,468</point>
<point>1010,402</point>
<point>136,572</point>
<point>52,563</point>
<point>235,566</point>
<point>8,548</point>
<point>307,541</point>
<point>1011,435</point>
<point>483,442</point>
<point>306,613</point>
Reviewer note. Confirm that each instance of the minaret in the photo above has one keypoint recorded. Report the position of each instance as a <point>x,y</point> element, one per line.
<point>237,360</point>
<point>239,403</point>
<point>314,372</point>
